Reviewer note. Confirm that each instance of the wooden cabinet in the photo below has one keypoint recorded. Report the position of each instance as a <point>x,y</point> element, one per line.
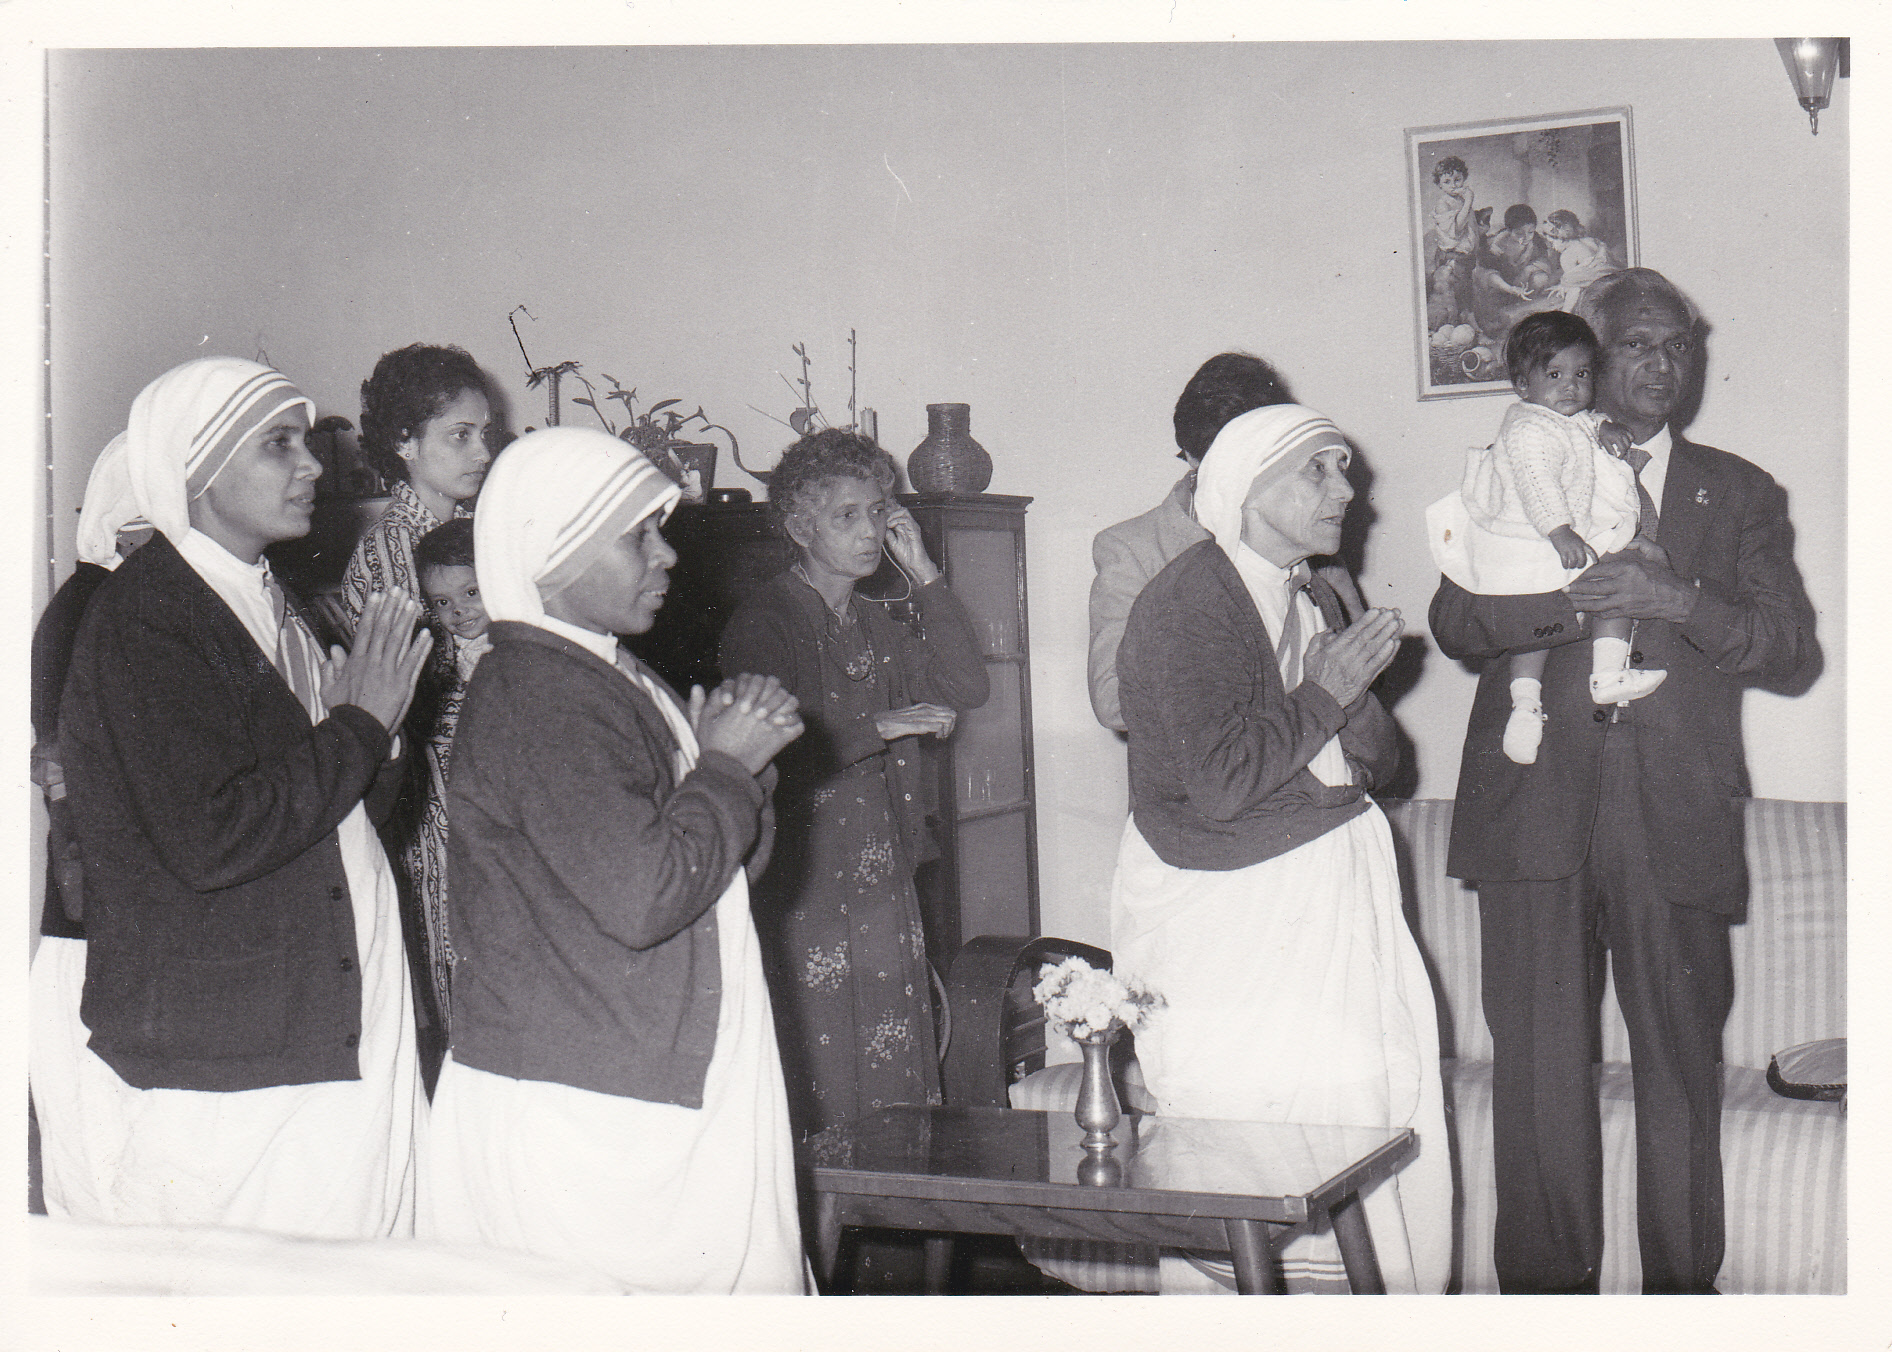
<point>984,806</point>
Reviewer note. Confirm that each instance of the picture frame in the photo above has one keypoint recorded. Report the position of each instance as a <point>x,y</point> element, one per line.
<point>1541,207</point>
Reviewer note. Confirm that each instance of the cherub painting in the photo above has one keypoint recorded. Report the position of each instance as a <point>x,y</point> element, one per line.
<point>1511,218</point>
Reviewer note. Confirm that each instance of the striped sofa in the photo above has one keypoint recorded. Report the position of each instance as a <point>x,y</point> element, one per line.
<point>1783,1159</point>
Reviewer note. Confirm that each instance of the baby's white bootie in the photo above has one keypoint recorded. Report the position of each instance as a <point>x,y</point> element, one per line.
<point>1612,679</point>
<point>1524,731</point>
<point>1619,687</point>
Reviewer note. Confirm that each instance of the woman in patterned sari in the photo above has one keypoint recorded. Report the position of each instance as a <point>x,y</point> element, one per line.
<point>424,420</point>
<point>839,917</point>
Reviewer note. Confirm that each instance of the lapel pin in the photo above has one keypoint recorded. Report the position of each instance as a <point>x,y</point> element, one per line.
<point>1701,496</point>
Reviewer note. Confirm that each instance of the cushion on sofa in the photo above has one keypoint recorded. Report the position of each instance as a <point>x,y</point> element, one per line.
<point>1789,956</point>
<point>1444,912</point>
<point>1783,1175</point>
<point>1089,1265</point>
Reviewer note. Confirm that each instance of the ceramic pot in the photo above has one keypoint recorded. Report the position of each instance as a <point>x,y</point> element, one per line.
<point>949,460</point>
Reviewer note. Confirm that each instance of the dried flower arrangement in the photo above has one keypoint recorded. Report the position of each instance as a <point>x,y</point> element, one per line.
<point>656,431</point>
<point>807,416</point>
<point>1082,1002</point>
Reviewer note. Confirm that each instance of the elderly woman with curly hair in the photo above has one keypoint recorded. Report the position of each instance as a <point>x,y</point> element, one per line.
<point>838,913</point>
<point>424,421</point>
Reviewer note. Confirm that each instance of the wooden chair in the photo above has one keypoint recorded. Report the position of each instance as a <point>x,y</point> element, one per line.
<point>998,1029</point>
<point>996,1037</point>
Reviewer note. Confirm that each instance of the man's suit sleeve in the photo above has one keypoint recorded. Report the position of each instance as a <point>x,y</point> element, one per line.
<point>1764,625</point>
<point>1113,591</point>
<point>1468,626</point>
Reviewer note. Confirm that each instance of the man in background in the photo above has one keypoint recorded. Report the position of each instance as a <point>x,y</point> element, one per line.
<point>1130,553</point>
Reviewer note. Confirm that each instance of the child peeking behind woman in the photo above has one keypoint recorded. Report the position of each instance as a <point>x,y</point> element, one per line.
<point>450,589</point>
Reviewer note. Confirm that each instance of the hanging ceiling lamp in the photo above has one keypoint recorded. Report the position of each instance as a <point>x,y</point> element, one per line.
<point>1811,65</point>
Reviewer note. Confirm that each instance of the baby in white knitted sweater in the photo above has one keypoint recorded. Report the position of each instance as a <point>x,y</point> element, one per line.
<point>1549,498</point>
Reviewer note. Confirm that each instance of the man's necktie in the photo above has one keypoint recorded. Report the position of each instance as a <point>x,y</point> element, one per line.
<point>1637,458</point>
<point>1288,651</point>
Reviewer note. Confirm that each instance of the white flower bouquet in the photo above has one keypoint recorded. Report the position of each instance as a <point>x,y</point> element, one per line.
<point>1083,1003</point>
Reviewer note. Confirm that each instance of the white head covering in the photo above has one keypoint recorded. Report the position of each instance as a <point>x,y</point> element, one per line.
<point>1263,443</point>
<point>109,507</point>
<point>185,424</point>
<point>553,501</point>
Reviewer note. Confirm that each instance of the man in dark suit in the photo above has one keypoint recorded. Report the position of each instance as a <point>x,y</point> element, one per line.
<point>1625,836</point>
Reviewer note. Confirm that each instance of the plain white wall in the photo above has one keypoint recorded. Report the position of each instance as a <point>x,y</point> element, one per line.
<point>1057,235</point>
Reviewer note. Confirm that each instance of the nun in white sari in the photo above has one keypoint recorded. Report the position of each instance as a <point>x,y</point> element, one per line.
<point>56,1034</point>
<point>613,1096</point>
<point>1256,886</point>
<point>223,1116</point>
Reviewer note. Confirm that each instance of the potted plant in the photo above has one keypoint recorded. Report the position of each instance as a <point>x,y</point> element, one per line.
<point>658,431</point>
<point>808,416</point>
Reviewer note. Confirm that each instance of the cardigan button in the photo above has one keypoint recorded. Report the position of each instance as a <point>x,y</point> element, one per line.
<point>352,1040</point>
<point>338,894</point>
<point>1600,716</point>
<point>1636,658</point>
<point>348,964</point>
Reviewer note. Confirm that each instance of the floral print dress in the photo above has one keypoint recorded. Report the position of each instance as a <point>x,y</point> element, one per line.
<point>384,560</point>
<point>836,908</point>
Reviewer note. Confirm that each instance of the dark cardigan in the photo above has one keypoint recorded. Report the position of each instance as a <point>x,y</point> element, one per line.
<point>222,940</point>
<point>1218,749</point>
<point>585,877</point>
<point>777,632</point>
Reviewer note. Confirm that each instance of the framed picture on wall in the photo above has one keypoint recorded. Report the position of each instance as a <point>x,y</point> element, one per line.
<point>1509,218</point>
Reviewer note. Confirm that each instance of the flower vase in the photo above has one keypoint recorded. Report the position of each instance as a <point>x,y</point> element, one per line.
<point>1097,1109</point>
<point>949,460</point>
<point>1100,1169</point>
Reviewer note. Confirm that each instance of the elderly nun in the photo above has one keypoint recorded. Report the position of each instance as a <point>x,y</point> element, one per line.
<point>251,1059</point>
<point>1256,886</point>
<point>613,1095</point>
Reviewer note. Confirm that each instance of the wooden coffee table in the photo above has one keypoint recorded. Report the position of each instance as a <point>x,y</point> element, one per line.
<point>1185,1182</point>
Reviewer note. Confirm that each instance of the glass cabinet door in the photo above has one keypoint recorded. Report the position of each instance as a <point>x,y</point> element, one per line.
<point>987,879</point>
